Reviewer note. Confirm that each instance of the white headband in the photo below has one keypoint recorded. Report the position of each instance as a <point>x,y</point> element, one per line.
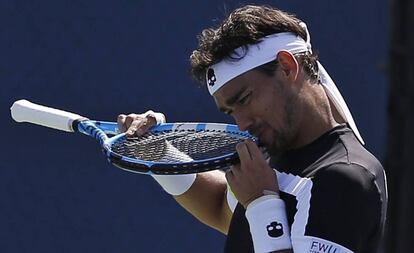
<point>248,57</point>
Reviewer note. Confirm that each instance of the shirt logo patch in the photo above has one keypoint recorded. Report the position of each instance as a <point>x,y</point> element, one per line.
<point>323,247</point>
<point>275,229</point>
<point>211,77</point>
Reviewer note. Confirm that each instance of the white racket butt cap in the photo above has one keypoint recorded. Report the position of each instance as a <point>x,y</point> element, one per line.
<point>26,111</point>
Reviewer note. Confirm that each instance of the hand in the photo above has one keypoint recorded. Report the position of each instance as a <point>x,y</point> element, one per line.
<point>252,176</point>
<point>138,124</point>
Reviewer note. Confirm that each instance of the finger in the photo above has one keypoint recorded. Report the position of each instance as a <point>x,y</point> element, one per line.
<point>145,124</point>
<point>149,122</point>
<point>121,122</point>
<point>254,151</point>
<point>150,115</point>
<point>236,170</point>
<point>129,119</point>
<point>243,152</point>
<point>134,128</point>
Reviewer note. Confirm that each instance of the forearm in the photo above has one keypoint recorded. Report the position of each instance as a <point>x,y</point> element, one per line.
<point>206,200</point>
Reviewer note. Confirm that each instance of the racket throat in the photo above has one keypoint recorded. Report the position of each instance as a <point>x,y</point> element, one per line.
<point>75,124</point>
<point>87,127</point>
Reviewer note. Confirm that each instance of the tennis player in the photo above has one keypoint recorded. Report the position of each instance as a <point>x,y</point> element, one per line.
<point>321,190</point>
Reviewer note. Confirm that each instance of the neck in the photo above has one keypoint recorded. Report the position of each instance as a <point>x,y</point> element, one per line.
<point>317,117</point>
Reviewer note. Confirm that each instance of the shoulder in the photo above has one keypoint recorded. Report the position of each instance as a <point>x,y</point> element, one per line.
<point>348,184</point>
<point>346,190</point>
<point>348,163</point>
<point>357,154</point>
<point>344,175</point>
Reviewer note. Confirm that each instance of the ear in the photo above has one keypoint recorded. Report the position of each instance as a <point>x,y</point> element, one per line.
<point>288,64</point>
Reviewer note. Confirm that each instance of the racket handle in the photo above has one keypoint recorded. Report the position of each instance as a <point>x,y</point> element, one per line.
<point>26,111</point>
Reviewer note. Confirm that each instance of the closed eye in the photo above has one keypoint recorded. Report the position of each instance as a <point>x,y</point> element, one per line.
<point>245,99</point>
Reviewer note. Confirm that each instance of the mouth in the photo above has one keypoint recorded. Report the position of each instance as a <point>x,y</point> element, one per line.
<point>266,138</point>
<point>263,146</point>
<point>256,133</point>
<point>259,135</point>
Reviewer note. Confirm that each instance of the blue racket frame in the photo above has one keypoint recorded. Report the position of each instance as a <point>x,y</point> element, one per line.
<point>101,129</point>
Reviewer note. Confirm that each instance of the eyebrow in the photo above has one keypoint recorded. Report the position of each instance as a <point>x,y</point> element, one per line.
<point>232,100</point>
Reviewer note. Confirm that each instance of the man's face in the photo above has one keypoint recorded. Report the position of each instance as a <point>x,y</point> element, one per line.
<point>266,106</point>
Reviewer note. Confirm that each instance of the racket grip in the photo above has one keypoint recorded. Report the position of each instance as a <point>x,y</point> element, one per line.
<point>26,111</point>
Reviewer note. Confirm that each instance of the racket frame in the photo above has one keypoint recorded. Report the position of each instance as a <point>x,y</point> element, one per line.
<point>26,111</point>
<point>101,129</point>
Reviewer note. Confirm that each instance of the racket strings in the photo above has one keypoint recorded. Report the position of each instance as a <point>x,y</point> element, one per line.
<point>203,145</point>
<point>178,146</point>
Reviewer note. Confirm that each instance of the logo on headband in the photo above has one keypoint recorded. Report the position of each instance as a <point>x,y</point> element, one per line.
<point>211,77</point>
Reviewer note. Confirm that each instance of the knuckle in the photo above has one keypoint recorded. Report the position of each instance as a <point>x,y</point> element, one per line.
<point>131,116</point>
<point>250,144</point>
<point>239,146</point>
<point>150,120</point>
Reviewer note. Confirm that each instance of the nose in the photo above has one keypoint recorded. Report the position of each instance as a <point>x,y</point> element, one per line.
<point>243,121</point>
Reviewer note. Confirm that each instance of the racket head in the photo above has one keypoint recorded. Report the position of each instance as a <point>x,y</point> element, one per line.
<point>177,148</point>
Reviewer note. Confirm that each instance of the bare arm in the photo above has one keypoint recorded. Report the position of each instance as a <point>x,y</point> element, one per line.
<point>206,200</point>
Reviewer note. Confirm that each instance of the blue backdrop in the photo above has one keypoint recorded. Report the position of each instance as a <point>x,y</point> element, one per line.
<point>101,58</point>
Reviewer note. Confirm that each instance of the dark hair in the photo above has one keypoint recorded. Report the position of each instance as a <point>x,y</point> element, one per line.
<point>244,26</point>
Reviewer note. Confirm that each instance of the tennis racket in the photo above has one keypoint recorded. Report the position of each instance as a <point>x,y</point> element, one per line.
<point>171,148</point>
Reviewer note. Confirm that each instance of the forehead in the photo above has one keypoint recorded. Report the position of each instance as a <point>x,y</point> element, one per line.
<point>236,86</point>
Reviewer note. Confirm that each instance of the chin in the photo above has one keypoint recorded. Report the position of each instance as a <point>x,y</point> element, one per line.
<point>270,144</point>
<point>270,148</point>
<point>275,148</point>
<point>272,151</point>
